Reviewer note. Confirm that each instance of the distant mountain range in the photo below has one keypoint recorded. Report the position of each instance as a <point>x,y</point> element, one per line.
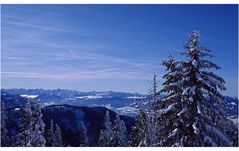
<point>121,102</point>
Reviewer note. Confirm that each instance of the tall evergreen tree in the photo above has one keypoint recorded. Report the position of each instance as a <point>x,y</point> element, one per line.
<point>143,132</point>
<point>25,134</point>
<point>83,136</point>
<point>167,124</point>
<point>32,129</point>
<point>4,132</point>
<point>195,118</point>
<point>51,133</point>
<point>58,137</point>
<point>55,137</point>
<point>38,139</point>
<point>154,94</point>
<point>119,138</point>
<point>106,134</point>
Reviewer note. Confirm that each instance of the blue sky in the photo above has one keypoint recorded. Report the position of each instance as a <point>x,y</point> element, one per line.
<point>109,47</point>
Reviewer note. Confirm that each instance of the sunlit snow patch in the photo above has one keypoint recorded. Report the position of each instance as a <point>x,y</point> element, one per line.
<point>89,97</point>
<point>49,103</point>
<point>29,96</point>
<point>136,97</point>
<point>127,110</point>
<point>17,109</point>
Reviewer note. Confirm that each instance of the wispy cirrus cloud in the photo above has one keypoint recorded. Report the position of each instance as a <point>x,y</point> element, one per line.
<point>35,26</point>
<point>80,75</point>
<point>65,60</point>
<point>12,58</point>
<point>42,50</point>
<point>36,75</point>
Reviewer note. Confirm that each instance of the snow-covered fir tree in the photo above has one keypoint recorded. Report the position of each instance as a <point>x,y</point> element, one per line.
<point>26,129</point>
<point>170,105</point>
<point>32,129</point>
<point>58,137</point>
<point>4,132</point>
<point>54,135</point>
<point>83,136</point>
<point>119,138</point>
<point>143,132</point>
<point>154,94</point>
<point>38,139</point>
<point>155,104</point>
<point>193,120</point>
<point>106,134</point>
<point>51,133</point>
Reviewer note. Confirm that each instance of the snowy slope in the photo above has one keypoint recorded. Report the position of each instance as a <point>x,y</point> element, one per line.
<point>69,119</point>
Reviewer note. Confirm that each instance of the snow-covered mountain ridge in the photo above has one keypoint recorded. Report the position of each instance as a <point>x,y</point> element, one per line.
<point>121,102</point>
